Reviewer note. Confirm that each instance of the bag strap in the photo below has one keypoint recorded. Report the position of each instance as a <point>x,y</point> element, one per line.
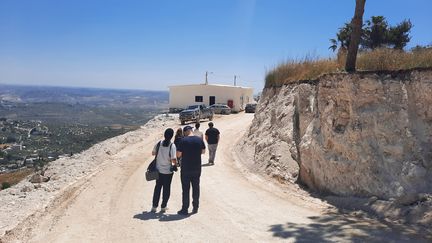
<point>169,154</point>
<point>157,149</point>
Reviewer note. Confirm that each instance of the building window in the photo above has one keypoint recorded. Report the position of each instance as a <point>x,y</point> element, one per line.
<point>212,100</point>
<point>198,99</point>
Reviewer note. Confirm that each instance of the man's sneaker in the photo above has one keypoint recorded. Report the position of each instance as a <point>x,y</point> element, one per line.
<point>195,210</point>
<point>163,210</point>
<point>153,209</point>
<point>182,212</point>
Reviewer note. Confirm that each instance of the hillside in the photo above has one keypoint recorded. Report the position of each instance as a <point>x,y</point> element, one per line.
<point>39,124</point>
<point>101,196</point>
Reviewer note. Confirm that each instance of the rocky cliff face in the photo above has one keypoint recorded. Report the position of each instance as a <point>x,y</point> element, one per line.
<point>363,134</point>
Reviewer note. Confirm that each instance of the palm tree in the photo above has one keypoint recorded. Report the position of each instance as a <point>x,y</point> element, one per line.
<point>342,38</point>
<point>356,23</point>
<point>334,45</point>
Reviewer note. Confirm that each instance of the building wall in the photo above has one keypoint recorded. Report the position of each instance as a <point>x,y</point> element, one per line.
<point>182,96</point>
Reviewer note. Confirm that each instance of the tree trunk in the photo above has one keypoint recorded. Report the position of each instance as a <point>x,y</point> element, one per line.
<point>357,24</point>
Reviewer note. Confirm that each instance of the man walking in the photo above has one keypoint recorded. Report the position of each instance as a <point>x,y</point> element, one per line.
<point>212,136</point>
<point>190,149</point>
<point>197,132</point>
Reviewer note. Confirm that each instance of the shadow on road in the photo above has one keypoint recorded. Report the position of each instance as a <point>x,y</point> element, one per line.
<point>159,216</point>
<point>172,217</point>
<point>339,227</point>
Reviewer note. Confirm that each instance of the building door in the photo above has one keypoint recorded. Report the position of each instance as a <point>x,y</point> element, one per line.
<point>212,100</point>
<point>230,103</point>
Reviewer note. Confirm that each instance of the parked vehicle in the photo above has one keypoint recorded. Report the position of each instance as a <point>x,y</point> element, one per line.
<point>196,113</point>
<point>250,108</point>
<point>221,109</point>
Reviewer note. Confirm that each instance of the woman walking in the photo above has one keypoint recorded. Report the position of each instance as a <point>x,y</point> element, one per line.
<point>166,165</point>
<point>178,137</point>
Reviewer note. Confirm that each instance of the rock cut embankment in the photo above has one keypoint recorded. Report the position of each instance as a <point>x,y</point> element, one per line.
<point>364,134</point>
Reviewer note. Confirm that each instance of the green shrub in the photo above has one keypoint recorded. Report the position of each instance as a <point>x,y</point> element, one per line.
<point>10,139</point>
<point>5,185</point>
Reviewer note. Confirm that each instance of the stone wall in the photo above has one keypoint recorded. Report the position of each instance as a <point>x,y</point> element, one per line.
<point>364,134</point>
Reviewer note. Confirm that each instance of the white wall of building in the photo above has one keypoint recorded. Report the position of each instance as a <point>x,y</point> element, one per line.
<point>184,95</point>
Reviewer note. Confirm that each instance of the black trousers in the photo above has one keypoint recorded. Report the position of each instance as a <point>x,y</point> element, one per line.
<point>164,182</point>
<point>188,180</point>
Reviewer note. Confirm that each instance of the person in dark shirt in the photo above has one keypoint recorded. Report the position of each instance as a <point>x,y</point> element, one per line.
<point>190,149</point>
<point>212,136</point>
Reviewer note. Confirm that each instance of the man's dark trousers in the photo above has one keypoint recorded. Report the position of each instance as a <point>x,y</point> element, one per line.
<point>188,180</point>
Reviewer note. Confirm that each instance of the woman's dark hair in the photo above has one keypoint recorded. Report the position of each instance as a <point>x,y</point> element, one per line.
<point>179,133</point>
<point>168,135</point>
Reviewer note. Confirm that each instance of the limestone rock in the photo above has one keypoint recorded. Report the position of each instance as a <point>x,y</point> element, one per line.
<point>26,188</point>
<point>37,178</point>
<point>364,134</point>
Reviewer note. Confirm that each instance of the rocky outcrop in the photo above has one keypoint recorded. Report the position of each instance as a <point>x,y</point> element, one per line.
<point>365,134</point>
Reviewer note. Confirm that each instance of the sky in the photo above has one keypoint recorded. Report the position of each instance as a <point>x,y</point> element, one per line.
<point>152,44</point>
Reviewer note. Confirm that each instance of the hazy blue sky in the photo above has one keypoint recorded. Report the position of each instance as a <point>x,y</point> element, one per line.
<point>154,44</point>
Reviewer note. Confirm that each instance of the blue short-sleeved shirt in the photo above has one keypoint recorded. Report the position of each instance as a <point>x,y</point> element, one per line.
<point>191,147</point>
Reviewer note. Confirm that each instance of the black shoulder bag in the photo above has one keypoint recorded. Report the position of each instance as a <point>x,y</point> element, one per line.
<point>152,173</point>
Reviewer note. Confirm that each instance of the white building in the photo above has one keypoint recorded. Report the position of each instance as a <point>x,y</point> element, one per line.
<point>236,97</point>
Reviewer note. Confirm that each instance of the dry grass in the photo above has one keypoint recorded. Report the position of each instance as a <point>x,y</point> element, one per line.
<point>389,59</point>
<point>377,60</point>
<point>292,71</point>
<point>14,177</point>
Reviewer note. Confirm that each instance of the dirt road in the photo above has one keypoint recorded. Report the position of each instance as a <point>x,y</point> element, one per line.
<point>113,206</point>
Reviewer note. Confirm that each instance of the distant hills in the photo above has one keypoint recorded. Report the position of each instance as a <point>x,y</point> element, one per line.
<point>45,122</point>
<point>85,96</point>
<point>87,106</point>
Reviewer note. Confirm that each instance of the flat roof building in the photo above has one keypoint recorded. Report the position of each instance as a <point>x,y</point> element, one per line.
<point>236,97</point>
